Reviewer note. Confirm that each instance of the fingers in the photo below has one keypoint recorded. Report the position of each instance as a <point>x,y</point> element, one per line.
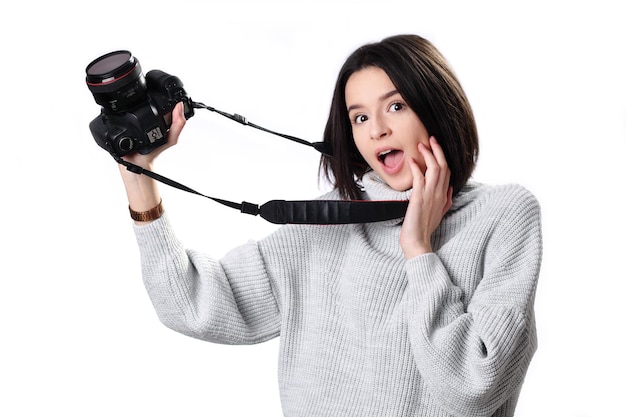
<point>430,199</point>
<point>437,173</point>
<point>441,158</point>
<point>178,123</point>
<point>448,202</point>
<point>418,176</point>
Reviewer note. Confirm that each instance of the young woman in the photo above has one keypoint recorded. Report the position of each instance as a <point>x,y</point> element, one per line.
<point>426,315</point>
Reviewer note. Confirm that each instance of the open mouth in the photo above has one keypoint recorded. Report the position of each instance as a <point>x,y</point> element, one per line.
<point>390,158</point>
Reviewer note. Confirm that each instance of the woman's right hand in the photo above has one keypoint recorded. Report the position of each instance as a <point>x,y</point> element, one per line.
<point>178,122</point>
<point>141,190</point>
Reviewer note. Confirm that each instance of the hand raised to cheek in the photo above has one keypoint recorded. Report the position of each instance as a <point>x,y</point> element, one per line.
<point>430,199</point>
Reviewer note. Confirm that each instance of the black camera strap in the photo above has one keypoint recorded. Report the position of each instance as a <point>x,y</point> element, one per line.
<point>290,212</point>
<point>319,146</point>
<point>297,212</point>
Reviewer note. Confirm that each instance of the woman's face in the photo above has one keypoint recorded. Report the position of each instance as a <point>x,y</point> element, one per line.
<point>386,131</point>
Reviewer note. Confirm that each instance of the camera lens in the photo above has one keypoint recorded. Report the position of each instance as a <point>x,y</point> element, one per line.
<point>116,81</point>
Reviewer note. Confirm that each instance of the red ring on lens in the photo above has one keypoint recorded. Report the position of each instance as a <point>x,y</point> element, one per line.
<point>114,79</point>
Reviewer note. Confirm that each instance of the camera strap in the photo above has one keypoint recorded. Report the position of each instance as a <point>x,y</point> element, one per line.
<point>318,146</point>
<point>290,212</point>
<point>297,212</point>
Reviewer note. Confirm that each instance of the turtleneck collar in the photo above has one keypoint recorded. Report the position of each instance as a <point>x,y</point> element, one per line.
<point>376,189</point>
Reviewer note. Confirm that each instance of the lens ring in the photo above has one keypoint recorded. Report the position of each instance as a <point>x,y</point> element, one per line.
<point>110,67</point>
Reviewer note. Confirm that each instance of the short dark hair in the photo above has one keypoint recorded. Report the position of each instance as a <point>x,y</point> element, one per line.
<point>427,83</point>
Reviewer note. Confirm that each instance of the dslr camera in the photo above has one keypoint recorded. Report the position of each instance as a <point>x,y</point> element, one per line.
<point>136,110</point>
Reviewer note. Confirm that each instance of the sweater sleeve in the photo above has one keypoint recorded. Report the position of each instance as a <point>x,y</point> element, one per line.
<point>229,301</point>
<point>474,353</point>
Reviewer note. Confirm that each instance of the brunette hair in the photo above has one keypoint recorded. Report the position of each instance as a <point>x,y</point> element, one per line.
<point>429,86</point>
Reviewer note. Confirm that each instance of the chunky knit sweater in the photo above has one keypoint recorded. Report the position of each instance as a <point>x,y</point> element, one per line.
<point>364,332</point>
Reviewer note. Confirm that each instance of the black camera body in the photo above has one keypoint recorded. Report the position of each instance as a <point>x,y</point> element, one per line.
<point>136,110</point>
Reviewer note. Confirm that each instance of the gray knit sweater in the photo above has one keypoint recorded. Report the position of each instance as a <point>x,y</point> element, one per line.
<point>364,332</point>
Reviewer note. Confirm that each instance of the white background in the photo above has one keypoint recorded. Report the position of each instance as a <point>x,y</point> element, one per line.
<point>79,335</point>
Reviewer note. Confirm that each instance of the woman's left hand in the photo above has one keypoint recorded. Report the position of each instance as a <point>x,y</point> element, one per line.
<point>430,199</point>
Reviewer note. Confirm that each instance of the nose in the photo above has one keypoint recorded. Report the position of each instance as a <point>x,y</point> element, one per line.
<point>379,128</point>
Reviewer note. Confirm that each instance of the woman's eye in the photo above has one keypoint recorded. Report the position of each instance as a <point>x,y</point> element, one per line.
<point>360,118</point>
<point>396,107</point>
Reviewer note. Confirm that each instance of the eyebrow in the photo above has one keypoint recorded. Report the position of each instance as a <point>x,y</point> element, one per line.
<point>381,98</point>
